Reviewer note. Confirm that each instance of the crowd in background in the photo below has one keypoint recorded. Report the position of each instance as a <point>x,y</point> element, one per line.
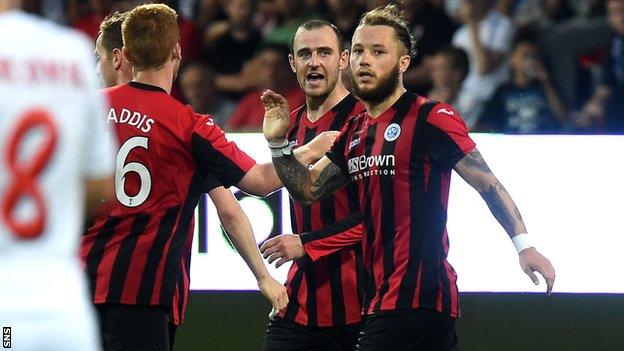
<point>509,66</point>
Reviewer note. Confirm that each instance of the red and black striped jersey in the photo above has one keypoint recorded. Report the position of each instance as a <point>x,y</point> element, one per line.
<point>138,251</point>
<point>401,163</point>
<point>325,291</point>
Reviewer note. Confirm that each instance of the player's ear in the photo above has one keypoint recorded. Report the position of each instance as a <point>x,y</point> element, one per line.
<point>291,60</point>
<point>117,57</point>
<point>404,62</point>
<point>344,59</point>
<point>177,52</point>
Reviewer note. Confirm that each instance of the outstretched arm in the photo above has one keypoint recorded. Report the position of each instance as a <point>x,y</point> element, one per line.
<point>476,172</point>
<point>305,184</point>
<point>262,179</point>
<point>238,228</point>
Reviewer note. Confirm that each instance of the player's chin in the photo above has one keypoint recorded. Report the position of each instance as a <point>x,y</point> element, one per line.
<point>315,92</point>
<point>366,88</point>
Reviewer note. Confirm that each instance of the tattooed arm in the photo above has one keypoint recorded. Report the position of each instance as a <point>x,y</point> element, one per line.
<point>304,184</point>
<point>476,172</point>
<point>307,186</point>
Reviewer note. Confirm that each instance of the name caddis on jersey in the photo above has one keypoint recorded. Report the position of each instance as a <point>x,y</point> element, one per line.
<point>124,116</point>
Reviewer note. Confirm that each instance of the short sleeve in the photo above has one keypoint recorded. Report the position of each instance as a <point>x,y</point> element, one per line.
<point>215,155</point>
<point>446,136</point>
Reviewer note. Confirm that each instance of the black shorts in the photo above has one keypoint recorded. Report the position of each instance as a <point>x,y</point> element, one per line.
<point>284,335</point>
<point>422,330</point>
<point>129,327</point>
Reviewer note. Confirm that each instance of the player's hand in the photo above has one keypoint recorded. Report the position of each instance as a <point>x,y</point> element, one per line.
<point>274,292</point>
<point>322,143</point>
<point>532,261</point>
<point>276,120</point>
<point>284,248</point>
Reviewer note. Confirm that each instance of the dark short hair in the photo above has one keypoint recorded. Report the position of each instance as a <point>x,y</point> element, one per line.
<point>110,32</point>
<point>314,24</point>
<point>392,16</point>
<point>458,58</point>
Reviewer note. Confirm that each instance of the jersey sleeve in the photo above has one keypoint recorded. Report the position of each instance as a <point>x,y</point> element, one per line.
<point>99,141</point>
<point>337,152</point>
<point>446,136</point>
<point>217,156</point>
<point>336,236</point>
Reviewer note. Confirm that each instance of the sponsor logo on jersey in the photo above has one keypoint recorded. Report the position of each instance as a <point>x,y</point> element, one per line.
<point>445,111</point>
<point>392,132</point>
<point>361,166</point>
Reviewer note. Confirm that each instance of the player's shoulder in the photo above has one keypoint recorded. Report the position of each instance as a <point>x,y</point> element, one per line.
<point>297,111</point>
<point>443,110</point>
<point>47,34</point>
<point>443,115</point>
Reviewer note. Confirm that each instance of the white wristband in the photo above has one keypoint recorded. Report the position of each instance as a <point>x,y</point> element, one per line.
<point>280,149</point>
<point>279,145</point>
<point>521,242</point>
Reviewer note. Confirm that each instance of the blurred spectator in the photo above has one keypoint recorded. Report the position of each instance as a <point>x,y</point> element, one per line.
<point>197,84</point>
<point>86,16</point>
<point>206,12</point>
<point>605,110</point>
<point>433,30</point>
<point>291,14</point>
<point>528,103</point>
<point>486,36</point>
<point>190,34</point>
<point>266,17</point>
<point>273,66</point>
<point>565,44</point>
<point>230,44</point>
<point>543,13</point>
<point>51,9</point>
<point>449,68</point>
<point>345,16</point>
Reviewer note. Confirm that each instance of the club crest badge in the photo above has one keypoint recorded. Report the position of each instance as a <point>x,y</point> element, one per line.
<point>392,132</point>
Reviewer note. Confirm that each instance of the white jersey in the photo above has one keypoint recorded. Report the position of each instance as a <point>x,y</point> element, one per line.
<point>51,141</point>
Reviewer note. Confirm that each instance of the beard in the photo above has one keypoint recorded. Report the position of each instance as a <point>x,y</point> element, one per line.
<point>382,91</point>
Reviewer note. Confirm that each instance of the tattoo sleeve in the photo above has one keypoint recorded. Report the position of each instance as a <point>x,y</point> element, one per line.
<point>298,180</point>
<point>476,172</point>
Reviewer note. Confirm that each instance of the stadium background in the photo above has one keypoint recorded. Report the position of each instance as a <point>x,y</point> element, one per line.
<point>223,73</point>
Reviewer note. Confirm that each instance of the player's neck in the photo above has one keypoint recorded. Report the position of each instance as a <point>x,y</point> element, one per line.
<point>317,107</point>
<point>375,109</point>
<point>162,77</point>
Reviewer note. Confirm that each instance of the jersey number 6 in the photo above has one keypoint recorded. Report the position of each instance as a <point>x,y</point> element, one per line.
<point>121,169</point>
